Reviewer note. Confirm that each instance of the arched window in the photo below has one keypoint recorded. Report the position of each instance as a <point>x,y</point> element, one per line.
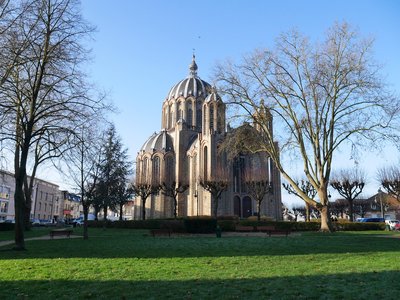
<point>144,169</point>
<point>179,114</point>
<point>156,170</point>
<point>198,117</point>
<point>212,118</point>
<point>219,120</point>
<point>205,156</point>
<point>171,117</point>
<point>189,114</point>
<point>169,170</point>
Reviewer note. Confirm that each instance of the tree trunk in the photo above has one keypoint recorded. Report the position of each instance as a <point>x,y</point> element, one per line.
<point>258,211</point>
<point>27,215</point>
<point>326,225</point>
<point>175,208</point>
<point>215,212</point>
<point>351,210</point>
<point>19,215</point>
<point>121,210</point>
<point>105,213</point>
<point>85,221</point>
<point>308,212</point>
<point>143,209</point>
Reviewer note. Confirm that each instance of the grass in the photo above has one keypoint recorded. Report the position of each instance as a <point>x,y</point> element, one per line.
<point>129,264</point>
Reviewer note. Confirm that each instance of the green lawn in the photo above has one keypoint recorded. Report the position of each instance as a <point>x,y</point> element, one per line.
<point>129,264</point>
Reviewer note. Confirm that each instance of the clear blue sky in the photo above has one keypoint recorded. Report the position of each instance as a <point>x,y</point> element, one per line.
<point>142,48</point>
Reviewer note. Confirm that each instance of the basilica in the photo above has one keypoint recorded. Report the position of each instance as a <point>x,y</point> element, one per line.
<point>193,125</point>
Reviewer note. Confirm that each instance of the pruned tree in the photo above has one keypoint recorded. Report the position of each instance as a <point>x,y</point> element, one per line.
<point>307,188</point>
<point>339,208</point>
<point>216,184</point>
<point>361,207</point>
<point>173,189</point>
<point>389,178</point>
<point>46,92</point>
<point>124,194</point>
<point>324,96</point>
<point>143,190</point>
<point>349,183</point>
<point>258,185</point>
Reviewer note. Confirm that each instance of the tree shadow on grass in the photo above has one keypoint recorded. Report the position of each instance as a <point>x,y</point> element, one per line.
<point>148,247</point>
<point>371,285</point>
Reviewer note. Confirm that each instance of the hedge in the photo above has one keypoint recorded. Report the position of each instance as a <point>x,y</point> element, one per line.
<point>200,225</point>
<point>358,226</point>
<point>206,224</point>
<point>6,226</point>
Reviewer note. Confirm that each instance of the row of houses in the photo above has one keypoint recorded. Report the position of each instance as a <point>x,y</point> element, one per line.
<point>49,203</point>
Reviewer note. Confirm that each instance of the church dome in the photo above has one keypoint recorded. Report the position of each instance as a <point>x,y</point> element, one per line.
<point>158,142</point>
<point>190,86</point>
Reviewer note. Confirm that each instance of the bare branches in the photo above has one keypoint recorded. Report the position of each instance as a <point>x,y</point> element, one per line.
<point>258,184</point>
<point>216,185</point>
<point>349,184</point>
<point>144,190</point>
<point>389,177</point>
<point>322,96</point>
<point>44,94</point>
<point>172,190</point>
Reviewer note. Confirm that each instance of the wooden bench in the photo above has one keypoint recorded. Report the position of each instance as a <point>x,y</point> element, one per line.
<point>244,228</point>
<point>273,230</point>
<point>61,232</point>
<point>160,232</point>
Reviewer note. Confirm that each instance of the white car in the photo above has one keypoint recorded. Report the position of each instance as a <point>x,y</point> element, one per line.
<point>393,224</point>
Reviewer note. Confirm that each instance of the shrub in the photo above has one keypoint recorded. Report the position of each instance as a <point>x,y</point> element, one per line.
<point>231,218</point>
<point>227,225</point>
<point>173,225</point>
<point>358,226</point>
<point>200,225</point>
<point>133,224</point>
<point>6,226</point>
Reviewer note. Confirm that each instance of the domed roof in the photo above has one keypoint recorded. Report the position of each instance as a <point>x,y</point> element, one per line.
<point>161,141</point>
<point>190,86</point>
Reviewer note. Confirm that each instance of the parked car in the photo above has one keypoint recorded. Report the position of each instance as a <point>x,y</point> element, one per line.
<point>392,224</point>
<point>378,220</point>
<point>35,222</point>
<point>77,222</point>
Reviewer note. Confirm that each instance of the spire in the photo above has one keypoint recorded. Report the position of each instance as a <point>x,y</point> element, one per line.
<point>193,67</point>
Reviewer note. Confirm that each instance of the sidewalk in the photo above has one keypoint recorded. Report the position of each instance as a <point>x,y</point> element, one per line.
<point>44,237</point>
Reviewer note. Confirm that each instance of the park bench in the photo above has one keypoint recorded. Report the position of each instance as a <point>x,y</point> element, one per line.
<point>244,228</point>
<point>61,232</point>
<point>273,230</point>
<point>160,232</point>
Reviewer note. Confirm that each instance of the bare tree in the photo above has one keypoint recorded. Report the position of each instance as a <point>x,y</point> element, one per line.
<point>389,177</point>
<point>143,190</point>
<point>258,185</point>
<point>361,206</point>
<point>307,189</point>
<point>216,184</point>
<point>324,96</point>
<point>81,165</point>
<point>46,92</point>
<point>349,183</point>
<point>339,208</point>
<point>173,189</point>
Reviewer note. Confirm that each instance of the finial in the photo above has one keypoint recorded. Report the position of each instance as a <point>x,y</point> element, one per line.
<point>193,66</point>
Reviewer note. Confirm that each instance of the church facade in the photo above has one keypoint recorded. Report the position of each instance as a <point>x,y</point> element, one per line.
<point>193,125</point>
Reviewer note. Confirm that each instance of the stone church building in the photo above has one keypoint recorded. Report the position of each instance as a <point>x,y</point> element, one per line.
<point>185,150</point>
